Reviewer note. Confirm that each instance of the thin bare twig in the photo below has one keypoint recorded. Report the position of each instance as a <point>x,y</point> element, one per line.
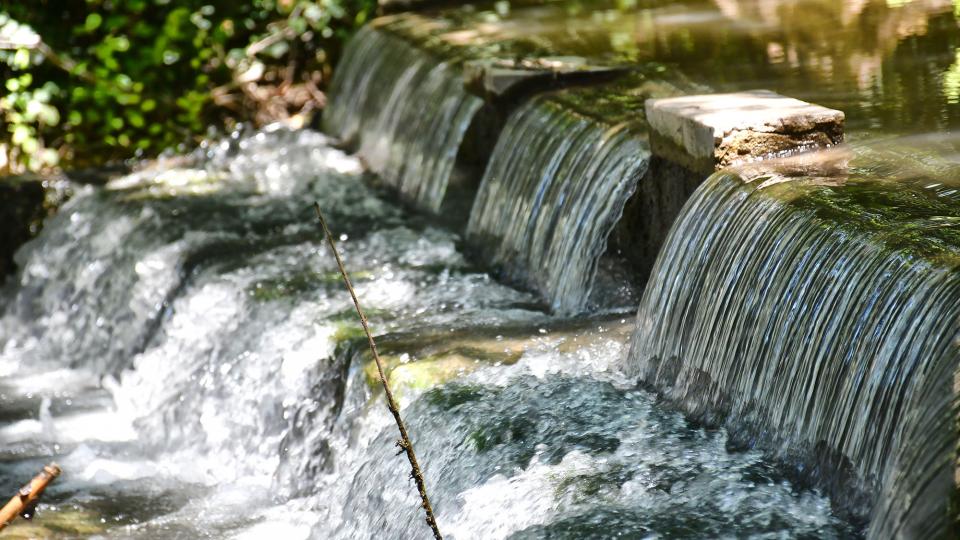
<point>63,62</point>
<point>404,443</point>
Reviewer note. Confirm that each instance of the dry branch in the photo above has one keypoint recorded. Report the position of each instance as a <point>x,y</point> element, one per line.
<point>23,502</point>
<point>404,443</point>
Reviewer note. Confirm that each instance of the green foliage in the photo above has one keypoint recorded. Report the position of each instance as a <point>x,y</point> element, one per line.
<point>24,107</point>
<point>102,80</point>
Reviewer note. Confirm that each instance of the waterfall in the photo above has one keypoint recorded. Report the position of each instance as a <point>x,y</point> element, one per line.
<point>516,452</point>
<point>94,288</point>
<point>180,342</point>
<point>818,318</point>
<point>556,185</point>
<point>404,109</point>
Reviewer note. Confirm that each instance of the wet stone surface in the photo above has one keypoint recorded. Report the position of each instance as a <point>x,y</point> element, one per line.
<point>711,131</point>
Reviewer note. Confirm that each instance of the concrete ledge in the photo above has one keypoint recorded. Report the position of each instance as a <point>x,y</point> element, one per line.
<point>497,79</point>
<point>712,131</point>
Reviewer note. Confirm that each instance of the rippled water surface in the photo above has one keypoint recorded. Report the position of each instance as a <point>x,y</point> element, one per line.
<point>893,66</point>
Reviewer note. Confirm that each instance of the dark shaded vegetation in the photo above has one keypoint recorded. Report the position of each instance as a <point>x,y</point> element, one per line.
<point>26,203</point>
<point>102,80</point>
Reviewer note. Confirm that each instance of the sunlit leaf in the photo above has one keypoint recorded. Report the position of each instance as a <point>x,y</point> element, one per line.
<point>92,22</point>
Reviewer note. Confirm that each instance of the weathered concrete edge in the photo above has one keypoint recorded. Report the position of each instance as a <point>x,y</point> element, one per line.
<point>500,80</point>
<point>704,133</point>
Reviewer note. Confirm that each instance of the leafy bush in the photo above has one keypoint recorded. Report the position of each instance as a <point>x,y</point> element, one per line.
<point>88,82</point>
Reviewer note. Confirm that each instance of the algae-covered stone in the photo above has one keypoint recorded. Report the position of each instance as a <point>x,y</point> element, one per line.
<point>410,378</point>
<point>414,362</point>
<point>52,522</point>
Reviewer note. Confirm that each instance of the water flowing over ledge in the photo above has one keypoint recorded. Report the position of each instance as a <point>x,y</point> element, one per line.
<point>556,185</point>
<point>212,360</point>
<point>251,390</point>
<point>404,109</point>
<point>818,318</point>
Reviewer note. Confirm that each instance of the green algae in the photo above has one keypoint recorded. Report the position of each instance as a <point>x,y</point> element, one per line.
<point>347,331</point>
<point>919,217</point>
<point>908,219</point>
<point>55,522</point>
<point>418,361</point>
<point>276,288</point>
<point>622,100</point>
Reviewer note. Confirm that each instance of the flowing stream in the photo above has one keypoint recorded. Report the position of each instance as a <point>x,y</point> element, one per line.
<point>406,112</point>
<point>827,310</point>
<point>555,187</point>
<point>179,342</point>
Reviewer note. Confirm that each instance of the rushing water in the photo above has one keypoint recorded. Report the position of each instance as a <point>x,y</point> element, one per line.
<point>555,187</point>
<point>201,377</point>
<point>180,343</point>
<point>825,309</point>
<point>405,110</point>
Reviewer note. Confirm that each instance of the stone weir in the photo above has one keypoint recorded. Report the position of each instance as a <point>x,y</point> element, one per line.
<point>808,304</point>
<point>556,184</point>
<point>691,136</point>
<point>403,108</point>
<point>574,188</point>
<point>811,306</point>
<point>423,106</point>
<point>553,184</point>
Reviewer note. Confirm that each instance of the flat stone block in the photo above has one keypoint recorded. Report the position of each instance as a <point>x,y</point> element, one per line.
<point>712,131</point>
<point>497,77</point>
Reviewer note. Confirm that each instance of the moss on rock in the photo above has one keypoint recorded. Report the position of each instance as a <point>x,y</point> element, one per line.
<point>51,523</point>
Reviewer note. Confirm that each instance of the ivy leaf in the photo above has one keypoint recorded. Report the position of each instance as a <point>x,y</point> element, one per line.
<point>93,22</point>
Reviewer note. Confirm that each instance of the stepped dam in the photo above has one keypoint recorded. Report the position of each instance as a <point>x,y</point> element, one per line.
<point>635,270</point>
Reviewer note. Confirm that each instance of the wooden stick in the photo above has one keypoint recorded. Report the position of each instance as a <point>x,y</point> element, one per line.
<point>404,443</point>
<point>28,495</point>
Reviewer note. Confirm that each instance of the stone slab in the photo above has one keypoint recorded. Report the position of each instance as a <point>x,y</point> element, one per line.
<point>496,78</point>
<point>711,131</point>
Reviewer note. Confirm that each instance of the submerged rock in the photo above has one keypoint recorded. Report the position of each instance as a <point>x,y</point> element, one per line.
<point>417,361</point>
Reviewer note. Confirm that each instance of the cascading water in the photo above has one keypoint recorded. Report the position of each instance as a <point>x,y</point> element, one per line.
<point>404,109</point>
<point>242,409</point>
<point>556,185</point>
<point>817,318</point>
<point>180,341</point>
<point>560,446</point>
